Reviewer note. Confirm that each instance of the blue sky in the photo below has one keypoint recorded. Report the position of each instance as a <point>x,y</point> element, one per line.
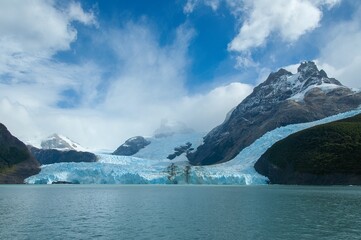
<point>103,71</point>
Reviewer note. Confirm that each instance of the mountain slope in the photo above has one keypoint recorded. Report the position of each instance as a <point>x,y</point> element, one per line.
<point>283,99</point>
<point>327,154</point>
<point>57,148</point>
<point>131,146</point>
<point>16,162</point>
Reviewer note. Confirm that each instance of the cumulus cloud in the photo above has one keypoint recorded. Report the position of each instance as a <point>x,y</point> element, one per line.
<point>39,28</point>
<point>259,20</point>
<point>205,111</point>
<point>290,19</point>
<point>149,73</point>
<point>76,13</point>
<point>149,85</point>
<point>31,81</point>
<point>340,50</point>
<point>30,34</point>
<point>146,85</point>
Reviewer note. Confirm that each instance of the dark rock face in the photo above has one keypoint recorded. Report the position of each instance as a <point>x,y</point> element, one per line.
<point>16,162</point>
<point>180,150</point>
<point>131,146</point>
<point>328,154</point>
<point>50,156</point>
<point>283,99</point>
<point>63,182</point>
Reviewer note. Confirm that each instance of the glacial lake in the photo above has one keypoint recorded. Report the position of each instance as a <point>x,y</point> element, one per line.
<point>179,212</point>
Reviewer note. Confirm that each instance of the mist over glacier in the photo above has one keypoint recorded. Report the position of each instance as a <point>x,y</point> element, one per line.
<point>150,166</point>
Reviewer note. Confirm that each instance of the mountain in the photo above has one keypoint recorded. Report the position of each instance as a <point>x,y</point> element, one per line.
<point>16,162</point>
<point>131,146</point>
<point>283,99</point>
<point>159,147</point>
<point>57,148</point>
<point>328,154</point>
<point>50,156</point>
<point>61,143</point>
<point>170,140</point>
<point>150,165</point>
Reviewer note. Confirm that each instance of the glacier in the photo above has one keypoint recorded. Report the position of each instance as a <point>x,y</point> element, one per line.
<point>150,165</point>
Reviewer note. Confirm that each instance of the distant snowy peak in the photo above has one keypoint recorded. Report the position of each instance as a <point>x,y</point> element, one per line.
<point>62,143</point>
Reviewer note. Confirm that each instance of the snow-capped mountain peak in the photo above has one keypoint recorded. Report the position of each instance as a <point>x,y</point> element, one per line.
<point>60,142</point>
<point>283,85</point>
<point>284,98</point>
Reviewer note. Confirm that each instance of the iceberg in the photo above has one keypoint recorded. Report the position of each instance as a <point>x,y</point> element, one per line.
<point>150,165</point>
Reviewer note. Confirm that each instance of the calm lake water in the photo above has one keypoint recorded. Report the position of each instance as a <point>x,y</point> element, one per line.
<point>179,212</point>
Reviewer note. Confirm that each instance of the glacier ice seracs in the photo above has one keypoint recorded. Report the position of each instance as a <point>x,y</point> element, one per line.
<point>150,166</point>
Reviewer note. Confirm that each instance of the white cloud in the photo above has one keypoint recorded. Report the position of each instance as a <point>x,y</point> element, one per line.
<point>290,19</point>
<point>340,56</point>
<point>244,60</point>
<point>149,74</point>
<point>39,28</point>
<point>30,34</point>
<point>214,4</point>
<point>146,86</point>
<point>76,13</point>
<point>192,4</point>
<point>292,68</point>
<point>203,112</point>
<point>327,3</point>
<point>260,20</point>
<point>149,86</point>
<point>30,80</point>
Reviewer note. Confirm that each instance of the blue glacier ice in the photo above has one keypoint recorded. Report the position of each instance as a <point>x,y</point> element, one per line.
<point>150,165</point>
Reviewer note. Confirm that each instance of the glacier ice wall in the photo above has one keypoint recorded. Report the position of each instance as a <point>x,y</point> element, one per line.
<point>150,166</point>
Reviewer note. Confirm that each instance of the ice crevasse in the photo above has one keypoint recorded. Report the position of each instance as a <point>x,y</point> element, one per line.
<point>140,169</point>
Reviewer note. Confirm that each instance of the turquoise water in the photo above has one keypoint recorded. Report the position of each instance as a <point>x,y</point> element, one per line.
<point>179,212</point>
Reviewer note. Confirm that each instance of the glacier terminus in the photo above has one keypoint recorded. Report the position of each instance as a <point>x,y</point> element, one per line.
<point>157,169</point>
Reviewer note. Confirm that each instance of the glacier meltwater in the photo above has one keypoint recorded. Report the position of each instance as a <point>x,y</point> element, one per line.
<point>151,166</point>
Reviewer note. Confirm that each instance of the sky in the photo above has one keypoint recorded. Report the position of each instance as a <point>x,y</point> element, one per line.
<point>101,72</point>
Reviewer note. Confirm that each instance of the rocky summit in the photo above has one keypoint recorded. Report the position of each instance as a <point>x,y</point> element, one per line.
<point>284,98</point>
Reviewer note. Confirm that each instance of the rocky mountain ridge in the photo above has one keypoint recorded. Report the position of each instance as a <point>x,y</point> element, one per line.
<point>284,98</point>
<point>50,156</point>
